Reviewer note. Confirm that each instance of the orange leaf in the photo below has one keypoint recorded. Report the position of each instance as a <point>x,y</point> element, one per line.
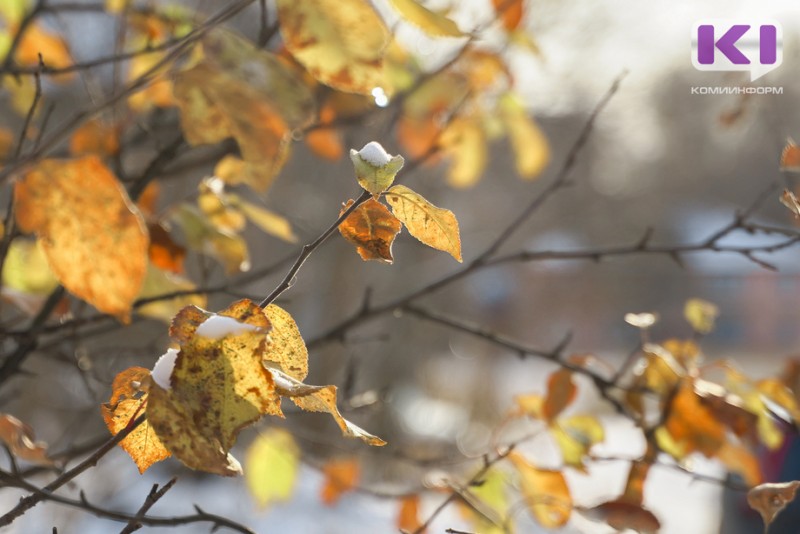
<point>37,41</point>
<point>408,517</point>
<point>341,476</point>
<point>561,391</point>
<point>128,401</point>
<point>94,137</point>
<point>165,253</point>
<point>770,499</point>
<point>92,234</point>
<point>19,438</point>
<point>790,158</point>
<point>372,229</point>
<point>148,200</point>
<point>509,11</point>
<point>693,425</point>
<point>325,141</point>
<point>546,493</point>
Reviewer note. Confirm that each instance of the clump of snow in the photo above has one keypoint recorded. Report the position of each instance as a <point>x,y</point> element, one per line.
<point>374,154</point>
<point>162,371</point>
<point>219,326</point>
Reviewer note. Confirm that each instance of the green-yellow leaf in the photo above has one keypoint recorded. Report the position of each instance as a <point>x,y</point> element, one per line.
<point>218,385</point>
<point>340,42</point>
<point>487,504</point>
<point>701,314</point>
<point>375,168</point>
<point>271,466</point>
<point>428,21</point>
<point>575,436</point>
<point>436,227</point>
<point>228,248</point>
<point>159,282</point>
<point>26,269</point>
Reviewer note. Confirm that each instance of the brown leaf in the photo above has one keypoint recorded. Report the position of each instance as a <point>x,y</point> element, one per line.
<point>165,253</point>
<point>341,476</point>
<point>372,229</point>
<point>770,499</point>
<point>93,235</point>
<point>622,515</point>
<point>20,440</point>
<point>790,157</point>
<point>128,400</point>
<point>561,391</point>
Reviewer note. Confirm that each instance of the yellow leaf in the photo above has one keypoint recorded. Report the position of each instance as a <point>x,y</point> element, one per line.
<point>491,498</point>
<point>790,157</point>
<point>372,229</point>
<point>213,201</point>
<point>575,436</point>
<point>217,386</point>
<point>128,400</point>
<point>320,399</point>
<point>341,476</point>
<point>158,92</point>
<point>436,227</point>
<point>159,282</point>
<point>428,21</point>
<point>701,314</point>
<point>92,234</point>
<point>531,405</point>
<point>269,221</point>
<point>340,42</point>
<point>227,248</point>
<point>246,93</point>
<point>26,269</point>
<point>531,149</point>
<point>545,492</point>
<point>23,92</point>
<point>20,440</point>
<point>770,499</point>
<point>464,142</point>
<point>286,347</point>
<point>561,391</point>
<point>272,463</point>
<point>13,11</point>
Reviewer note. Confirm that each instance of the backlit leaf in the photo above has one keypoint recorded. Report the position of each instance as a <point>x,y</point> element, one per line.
<point>701,314</point>
<point>693,425</point>
<point>26,269</point>
<point>464,142</point>
<point>214,204</point>
<point>20,440</point>
<point>341,476</point>
<point>53,49</point>
<point>770,499</point>
<point>94,137</point>
<point>790,157</point>
<point>531,148</point>
<point>372,229</point>
<point>561,391</point>
<point>286,347</point>
<point>575,436</point>
<point>159,282</point>
<point>408,515</point>
<point>217,387</point>
<point>227,248</point>
<point>165,253</point>
<point>270,222</point>
<point>320,399</point>
<point>273,460</point>
<point>324,140</point>
<point>435,227</point>
<point>375,168</point>
<point>158,92</point>
<point>491,497</point>
<point>738,459</point>
<point>545,491</point>
<point>531,405</point>
<point>340,42</point>
<point>128,401</point>
<point>428,21</point>
<point>92,234</point>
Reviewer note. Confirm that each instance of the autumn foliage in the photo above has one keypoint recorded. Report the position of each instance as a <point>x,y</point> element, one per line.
<point>85,228</point>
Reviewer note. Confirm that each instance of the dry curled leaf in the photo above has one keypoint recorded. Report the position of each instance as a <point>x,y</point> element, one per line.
<point>20,440</point>
<point>770,499</point>
<point>435,227</point>
<point>789,200</point>
<point>128,400</point>
<point>93,235</point>
<point>372,229</point>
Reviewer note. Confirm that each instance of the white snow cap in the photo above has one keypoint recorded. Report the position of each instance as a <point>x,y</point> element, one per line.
<point>162,371</point>
<point>374,154</point>
<point>219,326</point>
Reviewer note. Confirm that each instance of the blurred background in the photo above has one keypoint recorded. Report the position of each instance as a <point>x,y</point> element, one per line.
<point>659,157</point>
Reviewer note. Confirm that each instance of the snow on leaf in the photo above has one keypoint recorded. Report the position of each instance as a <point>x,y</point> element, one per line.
<point>218,385</point>
<point>340,42</point>
<point>375,168</point>
<point>372,229</point>
<point>435,227</point>
<point>128,400</point>
<point>286,347</point>
<point>428,21</point>
<point>20,440</point>
<point>272,464</point>
<point>92,234</point>
<point>320,399</point>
